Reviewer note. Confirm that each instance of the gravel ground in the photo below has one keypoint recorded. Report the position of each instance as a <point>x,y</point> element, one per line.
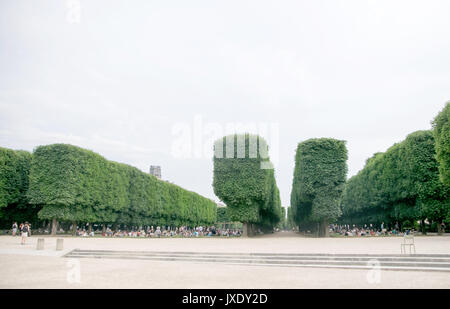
<point>25,267</point>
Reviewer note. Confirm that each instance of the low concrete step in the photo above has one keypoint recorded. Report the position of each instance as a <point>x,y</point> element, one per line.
<point>279,258</point>
<point>270,254</point>
<point>431,262</point>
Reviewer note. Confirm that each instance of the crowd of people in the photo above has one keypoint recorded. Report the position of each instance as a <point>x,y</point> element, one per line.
<point>159,232</point>
<point>366,230</point>
<point>24,229</point>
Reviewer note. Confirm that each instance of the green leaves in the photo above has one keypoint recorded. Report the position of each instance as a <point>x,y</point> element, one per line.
<point>75,184</point>
<point>441,132</point>
<point>401,184</point>
<point>248,190</point>
<point>319,179</point>
<point>14,170</point>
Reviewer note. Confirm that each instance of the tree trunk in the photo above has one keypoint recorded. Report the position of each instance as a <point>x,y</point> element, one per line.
<point>423,227</point>
<point>244,230</point>
<point>90,228</point>
<point>323,229</point>
<point>54,224</point>
<point>104,229</point>
<point>247,230</point>
<point>439,227</point>
<point>74,228</point>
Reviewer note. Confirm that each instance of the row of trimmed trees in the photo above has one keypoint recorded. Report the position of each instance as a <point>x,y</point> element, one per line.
<point>71,184</point>
<point>244,180</point>
<point>399,186</point>
<point>408,183</point>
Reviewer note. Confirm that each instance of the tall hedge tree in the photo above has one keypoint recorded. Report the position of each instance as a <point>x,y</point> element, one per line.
<point>319,179</point>
<point>244,180</point>
<point>441,131</point>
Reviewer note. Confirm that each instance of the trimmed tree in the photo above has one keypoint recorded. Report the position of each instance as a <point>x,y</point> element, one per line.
<point>319,178</point>
<point>244,180</point>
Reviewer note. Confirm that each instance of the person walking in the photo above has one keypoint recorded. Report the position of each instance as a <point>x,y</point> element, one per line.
<point>14,229</point>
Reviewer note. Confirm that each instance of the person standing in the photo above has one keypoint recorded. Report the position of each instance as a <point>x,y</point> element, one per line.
<point>383,229</point>
<point>14,229</point>
<point>24,233</point>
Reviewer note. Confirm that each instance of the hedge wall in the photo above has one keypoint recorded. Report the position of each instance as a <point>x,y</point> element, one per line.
<point>399,185</point>
<point>74,184</point>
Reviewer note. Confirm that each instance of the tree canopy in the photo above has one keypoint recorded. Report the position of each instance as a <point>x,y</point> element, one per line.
<point>74,184</point>
<point>399,185</point>
<point>14,171</point>
<point>441,131</point>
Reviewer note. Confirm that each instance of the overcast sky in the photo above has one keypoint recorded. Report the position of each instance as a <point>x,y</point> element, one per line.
<point>136,81</point>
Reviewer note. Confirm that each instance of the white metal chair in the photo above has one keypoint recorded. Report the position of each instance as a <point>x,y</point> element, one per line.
<point>408,241</point>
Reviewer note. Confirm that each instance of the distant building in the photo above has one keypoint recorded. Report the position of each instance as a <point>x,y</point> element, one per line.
<point>155,170</point>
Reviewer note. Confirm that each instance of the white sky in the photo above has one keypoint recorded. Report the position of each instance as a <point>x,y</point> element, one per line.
<point>119,81</point>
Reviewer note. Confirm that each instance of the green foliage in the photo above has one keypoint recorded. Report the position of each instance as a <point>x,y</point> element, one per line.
<point>222,215</point>
<point>441,131</point>
<point>74,184</point>
<point>283,223</point>
<point>291,222</point>
<point>401,184</point>
<point>407,225</point>
<point>14,170</point>
<point>244,180</point>
<point>319,180</point>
